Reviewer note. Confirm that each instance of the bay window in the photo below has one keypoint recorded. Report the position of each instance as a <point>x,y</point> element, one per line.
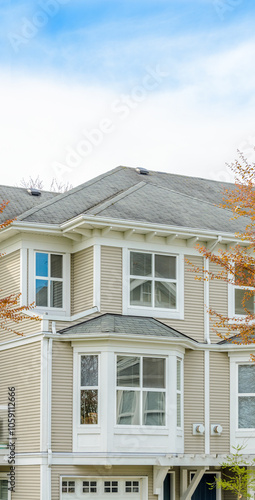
<point>49,280</point>
<point>141,391</point>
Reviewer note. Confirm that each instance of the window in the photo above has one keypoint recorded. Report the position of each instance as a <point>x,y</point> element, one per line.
<point>3,489</point>
<point>68,486</point>
<point>243,295</point>
<point>178,393</point>
<point>89,389</point>
<point>49,280</point>
<point>89,487</point>
<point>153,280</point>
<point>111,486</point>
<point>132,487</point>
<point>141,393</point>
<point>246,396</point>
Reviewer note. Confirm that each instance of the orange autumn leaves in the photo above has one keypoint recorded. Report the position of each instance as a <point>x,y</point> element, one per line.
<point>10,310</point>
<point>236,264</point>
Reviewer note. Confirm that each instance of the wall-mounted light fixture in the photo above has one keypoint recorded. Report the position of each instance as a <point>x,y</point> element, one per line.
<point>198,429</point>
<point>216,429</point>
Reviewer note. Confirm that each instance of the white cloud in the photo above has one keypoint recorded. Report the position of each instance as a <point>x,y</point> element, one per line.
<point>193,129</point>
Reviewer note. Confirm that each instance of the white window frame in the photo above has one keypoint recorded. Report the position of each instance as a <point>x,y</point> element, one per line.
<point>4,477</point>
<point>49,279</point>
<point>141,390</point>
<point>238,435</point>
<point>65,310</point>
<point>232,287</point>
<point>241,394</point>
<point>180,392</point>
<point>158,312</point>
<point>143,480</point>
<point>88,426</point>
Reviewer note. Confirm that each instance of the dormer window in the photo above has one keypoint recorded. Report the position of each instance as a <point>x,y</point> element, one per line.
<point>49,280</point>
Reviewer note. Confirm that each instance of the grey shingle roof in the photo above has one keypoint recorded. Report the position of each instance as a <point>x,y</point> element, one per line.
<point>20,201</point>
<point>115,323</point>
<point>123,194</point>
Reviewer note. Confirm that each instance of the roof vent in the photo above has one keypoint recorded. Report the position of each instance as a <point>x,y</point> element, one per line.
<point>142,171</point>
<point>34,192</point>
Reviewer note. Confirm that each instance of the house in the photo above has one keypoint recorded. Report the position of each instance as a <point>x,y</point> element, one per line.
<point>122,389</point>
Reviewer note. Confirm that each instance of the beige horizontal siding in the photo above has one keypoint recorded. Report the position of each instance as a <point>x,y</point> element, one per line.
<point>62,396</point>
<point>27,481</point>
<point>219,400</point>
<point>61,325</point>
<point>20,368</point>
<point>82,280</point>
<point>218,291</point>
<point>193,323</point>
<point>193,400</point>
<point>82,471</point>
<point>10,284</point>
<point>111,280</point>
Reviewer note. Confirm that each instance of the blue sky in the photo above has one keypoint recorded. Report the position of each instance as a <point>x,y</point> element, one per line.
<point>70,66</point>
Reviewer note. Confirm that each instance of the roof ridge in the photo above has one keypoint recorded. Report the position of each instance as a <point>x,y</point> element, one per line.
<point>115,198</point>
<point>68,193</point>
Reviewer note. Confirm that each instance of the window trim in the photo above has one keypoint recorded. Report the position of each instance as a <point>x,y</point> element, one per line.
<point>49,279</point>
<point>241,394</point>
<point>181,392</point>
<point>141,390</point>
<point>31,269</point>
<point>158,312</point>
<point>232,287</point>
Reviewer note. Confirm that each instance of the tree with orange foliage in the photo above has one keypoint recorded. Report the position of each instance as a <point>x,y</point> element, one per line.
<point>10,310</point>
<point>237,265</point>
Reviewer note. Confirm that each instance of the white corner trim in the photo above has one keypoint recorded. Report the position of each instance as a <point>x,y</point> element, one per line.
<point>97,276</point>
<point>23,276</point>
<point>207,402</point>
<point>206,303</point>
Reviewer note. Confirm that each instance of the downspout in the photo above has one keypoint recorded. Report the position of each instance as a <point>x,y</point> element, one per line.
<point>207,356</point>
<point>49,394</point>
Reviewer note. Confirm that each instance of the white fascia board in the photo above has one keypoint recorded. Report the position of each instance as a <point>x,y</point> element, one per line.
<point>129,224</point>
<point>119,224</point>
<point>175,460</point>
<point>180,344</point>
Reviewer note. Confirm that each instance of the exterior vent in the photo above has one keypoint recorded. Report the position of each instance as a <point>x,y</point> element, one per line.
<point>34,192</point>
<point>142,171</point>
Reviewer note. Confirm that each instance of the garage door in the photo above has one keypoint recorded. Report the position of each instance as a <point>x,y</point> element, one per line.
<point>98,488</point>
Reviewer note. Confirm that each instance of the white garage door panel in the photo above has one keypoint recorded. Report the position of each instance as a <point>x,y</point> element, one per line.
<point>103,488</point>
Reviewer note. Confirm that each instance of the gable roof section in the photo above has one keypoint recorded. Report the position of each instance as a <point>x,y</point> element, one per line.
<point>20,201</point>
<point>126,325</point>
